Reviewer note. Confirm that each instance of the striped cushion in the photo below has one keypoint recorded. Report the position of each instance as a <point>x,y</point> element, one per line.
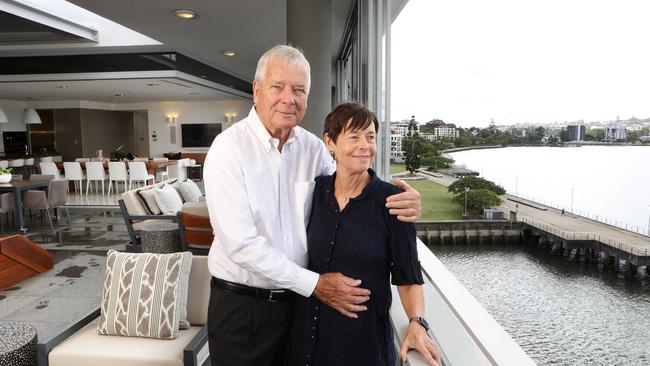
<point>168,200</point>
<point>145,294</point>
<point>189,191</point>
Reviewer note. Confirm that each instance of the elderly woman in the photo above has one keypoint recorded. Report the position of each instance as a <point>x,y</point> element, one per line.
<point>351,232</point>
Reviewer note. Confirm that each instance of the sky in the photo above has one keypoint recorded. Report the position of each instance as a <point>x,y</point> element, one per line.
<point>520,61</point>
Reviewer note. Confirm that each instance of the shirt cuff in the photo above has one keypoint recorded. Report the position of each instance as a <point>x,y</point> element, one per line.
<point>306,282</point>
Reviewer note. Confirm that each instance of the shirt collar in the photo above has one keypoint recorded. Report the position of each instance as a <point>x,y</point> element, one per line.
<point>263,134</point>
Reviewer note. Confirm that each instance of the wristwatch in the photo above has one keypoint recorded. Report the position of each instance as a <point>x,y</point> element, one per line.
<point>420,320</point>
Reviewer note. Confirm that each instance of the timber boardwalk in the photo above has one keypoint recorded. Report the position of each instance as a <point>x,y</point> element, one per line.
<point>572,232</point>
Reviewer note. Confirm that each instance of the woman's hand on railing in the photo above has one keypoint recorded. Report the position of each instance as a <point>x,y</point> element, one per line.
<point>416,338</point>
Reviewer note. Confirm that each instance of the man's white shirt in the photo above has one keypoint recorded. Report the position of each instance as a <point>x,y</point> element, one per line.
<point>259,202</point>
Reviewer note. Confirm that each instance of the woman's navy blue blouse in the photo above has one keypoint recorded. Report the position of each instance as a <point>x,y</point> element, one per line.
<point>362,241</point>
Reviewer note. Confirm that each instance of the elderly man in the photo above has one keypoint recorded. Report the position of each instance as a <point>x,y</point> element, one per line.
<point>259,177</point>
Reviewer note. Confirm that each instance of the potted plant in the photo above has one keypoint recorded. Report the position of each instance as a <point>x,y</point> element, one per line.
<point>5,175</point>
<point>118,154</point>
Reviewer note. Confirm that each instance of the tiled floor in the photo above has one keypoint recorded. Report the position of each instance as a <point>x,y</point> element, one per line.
<point>72,289</point>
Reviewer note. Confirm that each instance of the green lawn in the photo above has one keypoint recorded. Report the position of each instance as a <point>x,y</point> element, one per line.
<point>436,201</point>
<point>396,168</point>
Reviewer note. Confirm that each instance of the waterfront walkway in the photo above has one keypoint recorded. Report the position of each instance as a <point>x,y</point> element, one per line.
<point>567,226</point>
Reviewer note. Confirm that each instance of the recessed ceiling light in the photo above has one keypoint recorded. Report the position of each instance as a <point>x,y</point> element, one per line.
<point>61,87</point>
<point>153,84</point>
<point>119,95</point>
<point>229,53</point>
<point>185,13</point>
<point>194,93</point>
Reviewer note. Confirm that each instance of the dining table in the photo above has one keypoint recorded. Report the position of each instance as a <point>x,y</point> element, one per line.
<point>17,187</point>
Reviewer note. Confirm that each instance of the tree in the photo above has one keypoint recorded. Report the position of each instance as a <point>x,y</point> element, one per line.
<point>478,200</point>
<point>564,135</point>
<point>414,147</point>
<point>436,162</point>
<point>472,182</point>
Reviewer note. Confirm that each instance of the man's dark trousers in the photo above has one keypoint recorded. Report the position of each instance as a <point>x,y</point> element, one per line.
<point>243,330</point>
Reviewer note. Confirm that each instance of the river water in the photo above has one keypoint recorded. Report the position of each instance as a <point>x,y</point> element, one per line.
<point>611,182</point>
<point>561,313</point>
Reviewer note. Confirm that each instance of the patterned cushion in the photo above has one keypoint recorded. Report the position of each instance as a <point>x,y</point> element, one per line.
<point>145,294</point>
<point>168,200</point>
<point>189,191</point>
<point>148,201</point>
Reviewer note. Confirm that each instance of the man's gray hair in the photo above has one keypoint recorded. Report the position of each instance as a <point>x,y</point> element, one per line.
<point>288,55</point>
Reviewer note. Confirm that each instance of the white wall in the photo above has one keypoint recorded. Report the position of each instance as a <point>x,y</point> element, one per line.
<point>14,111</point>
<point>187,112</point>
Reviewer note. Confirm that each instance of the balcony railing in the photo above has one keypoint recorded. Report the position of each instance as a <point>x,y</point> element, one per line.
<point>465,333</point>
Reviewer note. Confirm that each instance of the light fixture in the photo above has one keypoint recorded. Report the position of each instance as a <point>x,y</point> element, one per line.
<point>3,117</point>
<point>31,117</point>
<point>229,53</point>
<point>171,119</point>
<point>185,13</point>
<point>230,117</point>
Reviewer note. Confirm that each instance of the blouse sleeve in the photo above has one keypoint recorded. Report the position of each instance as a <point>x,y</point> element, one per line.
<point>404,266</point>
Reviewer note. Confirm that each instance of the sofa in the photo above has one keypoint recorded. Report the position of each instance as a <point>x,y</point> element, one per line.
<point>136,214</point>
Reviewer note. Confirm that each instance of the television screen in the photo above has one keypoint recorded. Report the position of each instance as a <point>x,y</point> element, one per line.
<point>199,134</point>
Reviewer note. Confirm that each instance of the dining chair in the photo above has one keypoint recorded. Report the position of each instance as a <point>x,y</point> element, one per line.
<point>7,206</point>
<point>117,172</point>
<point>82,160</point>
<point>161,174</point>
<point>17,165</point>
<point>50,168</point>
<point>57,158</point>
<point>74,173</point>
<point>141,159</point>
<point>138,173</point>
<point>47,159</point>
<point>55,196</point>
<point>4,163</point>
<point>95,172</point>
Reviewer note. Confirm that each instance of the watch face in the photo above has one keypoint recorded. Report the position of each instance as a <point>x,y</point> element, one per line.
<point>424,323</point>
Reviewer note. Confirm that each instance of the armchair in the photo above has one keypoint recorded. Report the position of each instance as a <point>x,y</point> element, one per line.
<point>80,345</point>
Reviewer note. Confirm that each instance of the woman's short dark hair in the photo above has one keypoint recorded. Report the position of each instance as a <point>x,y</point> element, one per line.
<point>358,114</point>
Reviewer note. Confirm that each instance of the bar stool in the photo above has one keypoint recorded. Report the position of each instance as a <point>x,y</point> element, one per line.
<point>17,165</point>
<point>29,167</point>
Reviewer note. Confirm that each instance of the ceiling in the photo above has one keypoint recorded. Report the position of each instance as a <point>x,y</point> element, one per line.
<point>248,27</point>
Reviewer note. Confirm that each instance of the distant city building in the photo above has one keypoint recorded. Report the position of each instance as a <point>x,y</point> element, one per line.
<point>429,136</point>
<point>396,154</point>
<point>398,131</point>
<point>644,138</point>
<point>577,131</point>
<point>446,132</point>
<point>615,133</point>
<point>402,127</point>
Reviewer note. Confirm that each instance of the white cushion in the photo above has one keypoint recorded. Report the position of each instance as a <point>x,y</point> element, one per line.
<point>86,347</point>
<point>190,191</point>
<point>168,200</point>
